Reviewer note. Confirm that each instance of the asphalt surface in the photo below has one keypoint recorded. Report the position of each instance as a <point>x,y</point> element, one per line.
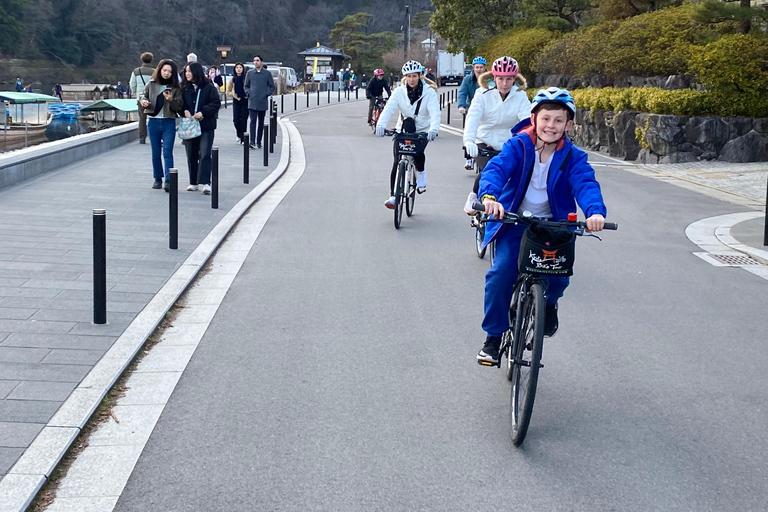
<point>339,372</point>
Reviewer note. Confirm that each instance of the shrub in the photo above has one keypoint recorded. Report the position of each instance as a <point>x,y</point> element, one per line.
<point>736,63</point>
<point>523,45</point>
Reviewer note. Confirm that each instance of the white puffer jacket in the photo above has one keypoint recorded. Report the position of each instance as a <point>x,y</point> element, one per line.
<point>490,120</point>
<point>429,112</point>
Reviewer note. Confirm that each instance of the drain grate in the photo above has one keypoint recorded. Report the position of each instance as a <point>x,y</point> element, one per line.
<point>734,260</point>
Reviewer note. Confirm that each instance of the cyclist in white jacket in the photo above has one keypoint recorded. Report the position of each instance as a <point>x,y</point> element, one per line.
<point>416,100</point>
<point>494,112</point>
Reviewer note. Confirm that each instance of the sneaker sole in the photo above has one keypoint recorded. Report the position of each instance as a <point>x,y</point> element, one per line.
<point>486,361</point>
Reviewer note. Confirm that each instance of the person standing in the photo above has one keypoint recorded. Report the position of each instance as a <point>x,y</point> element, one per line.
<point>161,101</point>
<point>19,84</point>
<point>140,77</point>
<point>236,91</point>
<point>258,87</point>
<point>347,76</point>
<point>120,90</point>
<point>201,101</point>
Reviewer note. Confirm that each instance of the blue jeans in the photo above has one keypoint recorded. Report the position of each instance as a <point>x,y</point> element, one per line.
<point>162,133</point>
<point>501,278</point>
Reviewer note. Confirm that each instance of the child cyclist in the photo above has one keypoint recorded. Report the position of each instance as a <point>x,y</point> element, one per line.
<point>494,112</point>
<point>541,171</point>
<point>417,102</point>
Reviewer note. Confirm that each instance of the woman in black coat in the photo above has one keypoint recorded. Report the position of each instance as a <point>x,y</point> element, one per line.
<point>201,101</point>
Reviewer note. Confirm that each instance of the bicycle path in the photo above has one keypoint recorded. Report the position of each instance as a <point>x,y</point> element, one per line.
<point>354,386</point>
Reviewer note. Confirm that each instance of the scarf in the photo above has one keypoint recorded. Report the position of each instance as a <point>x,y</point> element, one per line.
<point>415,93</point>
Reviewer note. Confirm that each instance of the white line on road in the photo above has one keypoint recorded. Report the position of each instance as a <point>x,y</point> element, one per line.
<point>98,476</point>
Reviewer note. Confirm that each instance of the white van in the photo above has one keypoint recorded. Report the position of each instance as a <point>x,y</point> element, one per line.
<point>284,77</point>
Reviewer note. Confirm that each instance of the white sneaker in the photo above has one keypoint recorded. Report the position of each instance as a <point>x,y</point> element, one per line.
<point>207,190</point>
<point>421,181</point>
<point>390,203</point>
<point>468,205</point>
<point>470,164</point>
<point>192,188</point>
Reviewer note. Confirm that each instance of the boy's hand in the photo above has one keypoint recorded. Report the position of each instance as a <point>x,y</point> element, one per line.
<point>493,208</point>
<point>595,223</point>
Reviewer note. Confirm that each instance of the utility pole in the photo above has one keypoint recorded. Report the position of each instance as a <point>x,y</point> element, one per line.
<point>407,32</point>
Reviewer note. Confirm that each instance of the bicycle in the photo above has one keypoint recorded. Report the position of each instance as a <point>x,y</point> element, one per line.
<point>523,343</point>
<point>378,106</point>
<point>483,155</point>
<point>407,146</point>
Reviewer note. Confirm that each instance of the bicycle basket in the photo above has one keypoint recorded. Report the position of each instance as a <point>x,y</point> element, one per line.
<point>381,103</point>
<point>547,251</point>
<point>409,144</point>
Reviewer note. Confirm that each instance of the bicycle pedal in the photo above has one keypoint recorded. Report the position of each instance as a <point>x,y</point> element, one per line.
<point>488,363</point>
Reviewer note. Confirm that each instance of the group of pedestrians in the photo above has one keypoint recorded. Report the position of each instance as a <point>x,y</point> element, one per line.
<point>537,170</point>
<point>169,94</point>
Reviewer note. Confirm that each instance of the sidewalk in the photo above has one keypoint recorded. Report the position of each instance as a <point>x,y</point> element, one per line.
<point>48,343</point>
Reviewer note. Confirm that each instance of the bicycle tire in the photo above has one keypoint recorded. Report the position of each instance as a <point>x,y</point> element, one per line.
<point>410,197</point>
<point>375,119</point>
<point>399,184</point>
<point>528,348</point>
<point>491,251</point>
<point>515,311</point>
<point>479,236</point>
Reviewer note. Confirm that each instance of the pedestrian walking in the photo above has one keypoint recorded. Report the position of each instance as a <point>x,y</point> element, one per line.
<point>201,101</point>
<point>236,91</point>
<point>140,77</point>
<point>19,84</point>
<point>161,101</point>
<point>258,87</point>
<point>57,91</point>
<point>347,76</point>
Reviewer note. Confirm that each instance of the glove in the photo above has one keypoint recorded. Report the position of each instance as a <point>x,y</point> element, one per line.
<point>431,135</point>
<point>471,148</point>
<point>379,131</point>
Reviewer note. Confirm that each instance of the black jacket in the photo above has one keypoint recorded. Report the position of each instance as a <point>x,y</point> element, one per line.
<point>209,104</point>
<point>376,88</point>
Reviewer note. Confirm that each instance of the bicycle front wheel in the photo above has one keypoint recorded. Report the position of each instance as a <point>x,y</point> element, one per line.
<point>528,347</point>
<point>410,196</point>
<point>402,167</point>
<point>479,236</point>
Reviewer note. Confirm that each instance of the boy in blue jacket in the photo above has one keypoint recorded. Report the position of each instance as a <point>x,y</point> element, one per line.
<point>541,171</point>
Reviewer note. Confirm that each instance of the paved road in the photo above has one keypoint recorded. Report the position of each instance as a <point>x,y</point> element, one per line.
<point>339,372</point>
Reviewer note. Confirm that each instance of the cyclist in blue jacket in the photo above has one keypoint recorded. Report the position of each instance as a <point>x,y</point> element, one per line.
<point>541,171</point>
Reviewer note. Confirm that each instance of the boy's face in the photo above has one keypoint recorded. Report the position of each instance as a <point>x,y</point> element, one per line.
<point>552,124</point>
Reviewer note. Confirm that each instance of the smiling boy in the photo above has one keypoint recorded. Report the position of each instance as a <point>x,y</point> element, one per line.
<point>541,171</point>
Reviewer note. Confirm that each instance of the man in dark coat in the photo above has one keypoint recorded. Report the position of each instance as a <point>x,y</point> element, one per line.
<point>258,86</point>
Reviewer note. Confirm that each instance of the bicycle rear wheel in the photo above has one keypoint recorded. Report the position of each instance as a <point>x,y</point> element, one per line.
<point>375,118</point>
<point>528,347</point>
<point>399,191</point>
<point>479,236</point>
<point>410,196</point>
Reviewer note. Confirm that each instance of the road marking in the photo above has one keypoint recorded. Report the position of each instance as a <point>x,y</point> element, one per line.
<point>451,130</point>
<point>97,477</point>
<point>713,235</point>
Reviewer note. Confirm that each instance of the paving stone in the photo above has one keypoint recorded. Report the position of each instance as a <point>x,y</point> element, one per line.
<point>109,329</point>
<point>11,281</point>
<point>137,288</point>
<point>78,315</point>
<point>57,283</point>
<point>18,435</point>
<point>6,386</point>
<point>8,457</point>
<point>27,411</point>
<point>43,327</point>
<point>37,390</point>
<point>44,372</point>
<point>22,265</point>
<point>22,354</point>
<point>28,292</point>
<point>89,357</point>
<point>7,313</point>
<point>59,341</point>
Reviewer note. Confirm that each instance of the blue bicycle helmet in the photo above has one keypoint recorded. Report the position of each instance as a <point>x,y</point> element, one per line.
<point>479,60</point>
<point>553,95</point>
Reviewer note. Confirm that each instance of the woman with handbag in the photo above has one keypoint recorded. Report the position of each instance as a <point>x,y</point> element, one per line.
<point>201,106</point>
<point>161,101</point>
<point>236,91</point>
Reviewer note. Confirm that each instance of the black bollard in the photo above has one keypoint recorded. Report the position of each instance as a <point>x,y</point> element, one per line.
<point>318,95</point>
<point>266,145</point>
<point>246,160</point>
<point>307,95</point>
<point>356,91</point>
<point>329,95</point>
<point>338,94</point>
<point>99,266</point>
<point>173,210</point>
<point>215,178</point>
<point>272,130</point>
<point>449,113</point>
<point>765,234</point>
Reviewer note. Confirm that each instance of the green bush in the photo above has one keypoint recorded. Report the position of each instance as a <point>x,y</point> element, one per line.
<point>736,63</point>
<point>523,45</point>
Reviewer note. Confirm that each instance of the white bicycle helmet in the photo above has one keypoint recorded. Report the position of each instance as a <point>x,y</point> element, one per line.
<point>412,66</point>
<point>553,95</point>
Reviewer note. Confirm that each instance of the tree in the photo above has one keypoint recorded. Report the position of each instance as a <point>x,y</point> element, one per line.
<point>620,9</point>
<point>464,23</point>
<point>11,28</point>
<point>350,34</point>
<point>568,10</point>
<point>713,11</point>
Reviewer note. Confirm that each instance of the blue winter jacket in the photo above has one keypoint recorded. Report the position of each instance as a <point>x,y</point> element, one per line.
<point>507,175</point>
<point>467,90</point>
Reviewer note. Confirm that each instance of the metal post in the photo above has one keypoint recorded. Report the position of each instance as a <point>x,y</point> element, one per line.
<point>282,103</point>
<point>173,210</point>
<point>246,161</point>
<point>338,99</point>
<point>295,100</point>
<point>765,234</point>
<point>307,95</point>
<point>449,113</point>
<point>99,266</point>
<point>272,130</point>
<point>318,94</point>
<point>266,145</point>
<point>357,89</point>
<point>215,178</point>
<point>329,94</point>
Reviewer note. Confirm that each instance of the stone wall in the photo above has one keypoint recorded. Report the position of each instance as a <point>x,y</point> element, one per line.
<point>599,81</point>
<point>654,138</point>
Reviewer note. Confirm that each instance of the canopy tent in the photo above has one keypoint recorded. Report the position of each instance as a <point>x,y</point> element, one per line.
<point>122,105</point>
<point>27,97</point>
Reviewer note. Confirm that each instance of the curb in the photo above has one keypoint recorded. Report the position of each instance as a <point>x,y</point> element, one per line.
<point>24,480</point>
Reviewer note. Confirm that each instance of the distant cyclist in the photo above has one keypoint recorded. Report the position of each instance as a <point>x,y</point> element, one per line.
<point>467,91</point>
<point>494,112</point>
<point>420,112</point>
<point>375,91</point>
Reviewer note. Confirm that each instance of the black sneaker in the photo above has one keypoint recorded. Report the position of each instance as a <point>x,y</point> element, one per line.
<point>252,146</point>
<point>157,184</point>
<point>550,322</point>
<point>258,145</point>
<point>142,141</point>
<point>489,354</point>
<point>167,186</point>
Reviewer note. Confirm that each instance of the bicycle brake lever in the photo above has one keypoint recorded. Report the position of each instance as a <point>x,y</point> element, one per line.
<point>594,235</point>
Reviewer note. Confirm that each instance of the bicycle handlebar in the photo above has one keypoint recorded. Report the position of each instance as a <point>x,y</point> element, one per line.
<point>417,135</point>
<point>514,218</point>
<point>487,152</point>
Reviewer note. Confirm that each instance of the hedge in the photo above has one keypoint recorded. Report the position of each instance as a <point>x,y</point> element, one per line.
<point>523,45</point>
